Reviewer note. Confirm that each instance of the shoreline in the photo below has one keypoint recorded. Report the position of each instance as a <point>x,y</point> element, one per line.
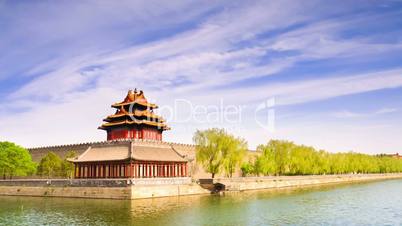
<point>169,187</point>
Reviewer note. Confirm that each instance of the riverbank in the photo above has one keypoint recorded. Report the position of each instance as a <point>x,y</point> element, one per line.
<point>257,183</point>
<point>165,187</point>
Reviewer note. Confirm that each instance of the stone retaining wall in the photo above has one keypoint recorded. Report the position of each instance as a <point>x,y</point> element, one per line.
<point>127,192</point>
<point>102,188</point>
<point>253,183</point>
<point>163,187</point>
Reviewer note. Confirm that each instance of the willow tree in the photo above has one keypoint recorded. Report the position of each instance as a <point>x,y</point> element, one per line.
<point>67,168</point>
<point>217,150</point>
<point>50,165</point>
<point>233,152</point>
<point>15,161</point>
<point>286,158</point>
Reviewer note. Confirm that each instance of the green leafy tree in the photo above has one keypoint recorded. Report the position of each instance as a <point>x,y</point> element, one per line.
<point>217,150</point>
<point>67,168</point>
<point>286,158</point>
<point>265,164</point>
<point>15,161</point>
<point>247,168</point>
<point>50,165</point>
<point>234,151</point>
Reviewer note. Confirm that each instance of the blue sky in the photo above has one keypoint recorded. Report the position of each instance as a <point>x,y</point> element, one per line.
<point>333,70</point>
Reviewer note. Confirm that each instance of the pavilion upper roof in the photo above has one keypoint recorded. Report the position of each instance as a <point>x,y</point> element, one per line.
<point>134,97</point>
<point>134,116</point>
<point>136,113</point>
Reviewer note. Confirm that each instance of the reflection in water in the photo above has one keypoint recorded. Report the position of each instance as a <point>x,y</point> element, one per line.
<point>358,204</point>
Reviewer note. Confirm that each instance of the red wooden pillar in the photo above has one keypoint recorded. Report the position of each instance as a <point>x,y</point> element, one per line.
<point>83,171</point>
<point>167,170</point>
<point>78,171</point>
<point>149,170</point>
<point>144,170</point>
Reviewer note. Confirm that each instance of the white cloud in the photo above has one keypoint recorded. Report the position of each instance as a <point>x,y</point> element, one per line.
<point>386,111</point>
<point>351,114</point>
<point>199,63</point>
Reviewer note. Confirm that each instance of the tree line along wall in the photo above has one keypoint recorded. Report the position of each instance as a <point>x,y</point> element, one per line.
<point>195,170</point>
<point>38,153</point>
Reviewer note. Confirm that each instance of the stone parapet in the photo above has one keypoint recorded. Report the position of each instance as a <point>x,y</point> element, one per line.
<point>272,182</point>
<point>164,187</point>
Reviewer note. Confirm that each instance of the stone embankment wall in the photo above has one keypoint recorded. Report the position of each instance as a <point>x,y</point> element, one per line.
<point>254,183</point>
<point>102,188</point>
<point>163,187</point>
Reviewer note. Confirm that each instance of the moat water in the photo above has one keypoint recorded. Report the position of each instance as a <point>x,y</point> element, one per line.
<point>374,203</point>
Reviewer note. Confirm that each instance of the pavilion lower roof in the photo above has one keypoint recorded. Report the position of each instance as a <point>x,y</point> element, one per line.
<point>160,125</point>
<point>154,153</point>
<point>134,114</point>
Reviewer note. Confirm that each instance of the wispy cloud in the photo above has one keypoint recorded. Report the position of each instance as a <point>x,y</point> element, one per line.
<point>240,52</point>
<point>351,114</point>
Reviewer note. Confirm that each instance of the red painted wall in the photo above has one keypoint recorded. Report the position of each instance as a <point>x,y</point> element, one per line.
<point>145,133</point>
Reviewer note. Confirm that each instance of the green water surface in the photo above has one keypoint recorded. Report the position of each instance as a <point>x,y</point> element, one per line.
<point>375,203</point>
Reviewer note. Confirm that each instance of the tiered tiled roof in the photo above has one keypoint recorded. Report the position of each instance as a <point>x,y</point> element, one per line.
<point>134,110</point>
<point>137,150</point>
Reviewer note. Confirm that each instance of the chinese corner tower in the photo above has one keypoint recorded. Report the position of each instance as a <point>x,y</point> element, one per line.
<point>134,119</point>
